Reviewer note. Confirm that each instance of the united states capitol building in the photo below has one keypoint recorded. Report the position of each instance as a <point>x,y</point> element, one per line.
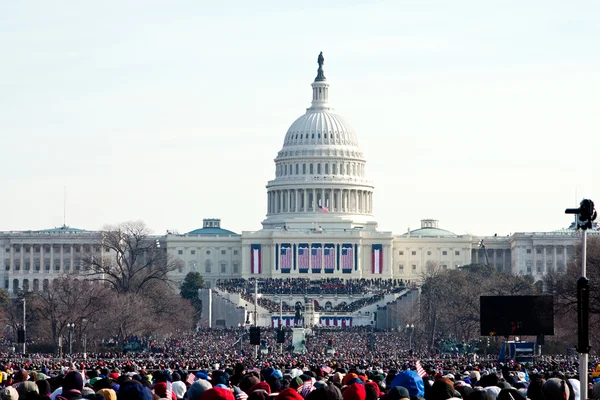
<point>319,224</point>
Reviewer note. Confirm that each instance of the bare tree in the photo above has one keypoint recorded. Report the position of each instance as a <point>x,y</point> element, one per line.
<point>130,259</point>
<point>69,301</point>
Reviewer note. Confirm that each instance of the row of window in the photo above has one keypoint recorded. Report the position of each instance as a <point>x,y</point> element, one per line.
<point>354,169</point>
<point>36,284</point>
<point>66,249</point>
<point>414,267</point>
<point>37,267</point>
<point>444,253</point>
<point>193,252</point>
<point>208,267</point>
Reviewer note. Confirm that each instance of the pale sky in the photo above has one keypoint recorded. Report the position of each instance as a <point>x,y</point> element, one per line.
<point>482,114</point>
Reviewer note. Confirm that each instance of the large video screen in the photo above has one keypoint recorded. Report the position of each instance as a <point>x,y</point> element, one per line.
<point>516,315</point>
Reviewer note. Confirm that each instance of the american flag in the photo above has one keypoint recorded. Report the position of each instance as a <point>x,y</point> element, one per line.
<point>347,258</point>
<point>191,378</point>
<point>286,258</point>
<point>315,257</point>
<point>329,258</point>
<point>420,369</point>
<point>169,390</point>
<point>303,258</point>
<point>323,208</point>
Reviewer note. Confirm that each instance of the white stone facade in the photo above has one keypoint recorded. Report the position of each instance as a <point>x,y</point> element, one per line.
<point>319,203</point>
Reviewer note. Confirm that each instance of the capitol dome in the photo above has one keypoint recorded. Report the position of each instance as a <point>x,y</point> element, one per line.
<point>320,169</point>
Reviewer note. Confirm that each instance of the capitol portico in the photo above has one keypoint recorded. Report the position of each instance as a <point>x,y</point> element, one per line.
<point>319,223</point>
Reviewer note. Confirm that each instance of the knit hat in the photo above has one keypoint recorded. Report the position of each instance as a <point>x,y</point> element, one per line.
<point>260,386</point>
<point>397,393</point>
<point>197,388</point>
<point>27,387</point>
<point>325,392</point>
<point>218,393</point>
<point>160,389</point>
<point>108,394</point>
<point>73,382</point>
<point>356,391</point>
<point>411,381</point>
<point>511,394</point>
<point>10,393</point>
<point>288,394</point>
<point>372,390</point>
<point>134,391</point>
<point>21,375</point>
<point>555,389</point>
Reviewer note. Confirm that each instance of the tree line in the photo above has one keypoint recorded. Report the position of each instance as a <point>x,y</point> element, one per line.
<point>124,291</point>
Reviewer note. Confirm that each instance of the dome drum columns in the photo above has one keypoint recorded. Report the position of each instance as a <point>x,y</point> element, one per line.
<point>352,201</point>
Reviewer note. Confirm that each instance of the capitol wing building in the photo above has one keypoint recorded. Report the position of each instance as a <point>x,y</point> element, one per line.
<point>319,224</point>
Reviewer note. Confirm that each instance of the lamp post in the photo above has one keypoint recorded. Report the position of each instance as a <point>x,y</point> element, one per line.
<point>83,327</point>
<point>71,328</point>
<point>409,330</point>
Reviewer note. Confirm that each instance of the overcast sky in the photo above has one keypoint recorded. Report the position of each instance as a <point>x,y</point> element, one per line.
<point>482,114</point>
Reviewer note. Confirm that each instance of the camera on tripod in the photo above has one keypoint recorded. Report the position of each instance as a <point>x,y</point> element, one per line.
<point>586,214</point>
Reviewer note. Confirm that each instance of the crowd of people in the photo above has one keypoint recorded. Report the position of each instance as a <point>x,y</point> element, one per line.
<point>311,286</point>
<point>351,364</point>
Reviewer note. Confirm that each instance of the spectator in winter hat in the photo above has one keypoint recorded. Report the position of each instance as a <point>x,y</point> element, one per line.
<point>355,391</point>
<point>288,394</point>
<point>397,393</point>
<point>28,391</point>
<point>372,390</point>
<point>133,390</point>
<point>555,389</point>
<point>43,387</point>
<point>218,393</point>
<point>197,389</point>
<point>596,391</point>
<point>10,393</point>
<point>326,392</point>
<point>108,394</point>
<point>248,381</point>
<point>511,394</point>
<point>442,389</point>
<point>411,381</point>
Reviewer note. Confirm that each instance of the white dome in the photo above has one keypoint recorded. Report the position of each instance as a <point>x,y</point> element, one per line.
<point>320,168</point>
<point>320,128</point>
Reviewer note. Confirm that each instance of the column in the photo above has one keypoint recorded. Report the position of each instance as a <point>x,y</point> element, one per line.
<point>62,254</point>
<point>534,251</point>
<point>356,201</point>
<point>314,200</point>
<point>323,198</point>
<point>545,261</point>
<point>22,259</point>
<point>72,264</point>
<point>31,249</point>
<point>331,204</point>
<point>564,258</point>
<point>504,261</point>
<point>51,257</point>
<point>554,258</point>
<point>494,259</point>
<point>296,198</point>
<point>12,258</point>
<point>305,208</point>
